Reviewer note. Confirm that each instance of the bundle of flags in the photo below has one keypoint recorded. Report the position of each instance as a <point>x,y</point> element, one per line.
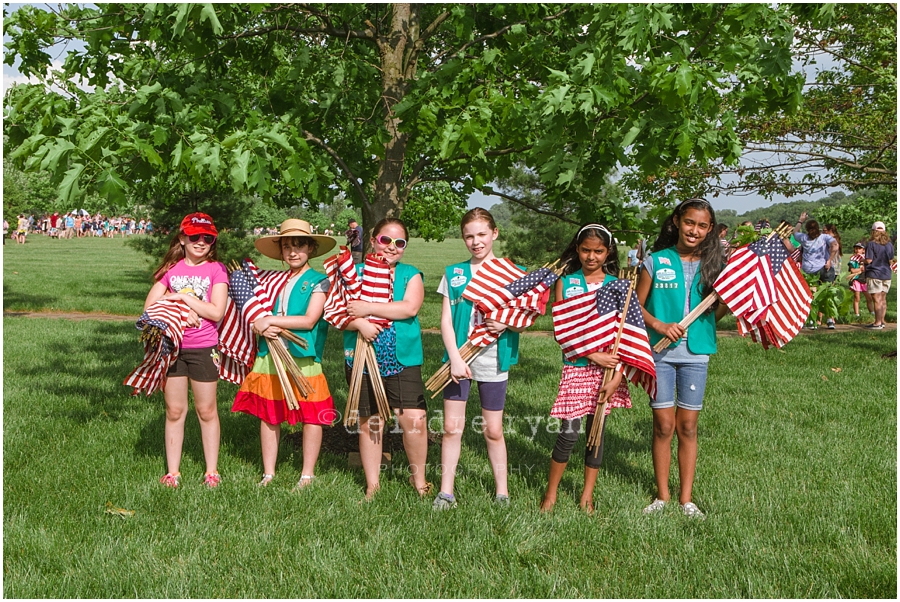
<point>251,294</point>
<point>503,292</point>
<point>345,287</point>
<point>766,292</point>
<point>162,329</point>
<point>589,323</point>
<point>374,286</point>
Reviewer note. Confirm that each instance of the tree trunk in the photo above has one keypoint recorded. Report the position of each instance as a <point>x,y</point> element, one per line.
<point>387,202</point>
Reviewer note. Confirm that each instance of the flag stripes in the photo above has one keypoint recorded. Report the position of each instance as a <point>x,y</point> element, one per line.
<point>163,325</point>
<point>251,294</point>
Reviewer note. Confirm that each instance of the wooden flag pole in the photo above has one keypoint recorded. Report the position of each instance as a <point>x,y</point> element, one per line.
<point>600,416</point>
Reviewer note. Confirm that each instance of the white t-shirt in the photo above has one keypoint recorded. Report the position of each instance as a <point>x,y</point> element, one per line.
<point>486,366</point>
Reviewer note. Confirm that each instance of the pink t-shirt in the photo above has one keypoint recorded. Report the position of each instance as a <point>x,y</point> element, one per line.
<point>197,280</point>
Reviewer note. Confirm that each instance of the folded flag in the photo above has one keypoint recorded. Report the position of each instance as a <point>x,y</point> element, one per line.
<point>162,325</point>
<point>345,287</point>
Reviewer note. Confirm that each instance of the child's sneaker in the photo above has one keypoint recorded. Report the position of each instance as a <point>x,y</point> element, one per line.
<point>656,506</point>
<point>692,511</point>
<point>501,500</point>
<point>212,479</point>
<point>443,501</point>
<point>171,480</point>
<point>830,324</point>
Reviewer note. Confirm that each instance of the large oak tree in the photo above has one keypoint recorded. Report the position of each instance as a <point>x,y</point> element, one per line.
<point>291,101</point>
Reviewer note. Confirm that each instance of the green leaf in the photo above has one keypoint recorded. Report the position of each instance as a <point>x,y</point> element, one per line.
<point>279,139</point>
<point>181,18</point>
<point>209,14</point>
<point>239,168</point>
<point>683,78</point>
<point>69,190</point>
<point>113,187</point>
<point>632,134</point>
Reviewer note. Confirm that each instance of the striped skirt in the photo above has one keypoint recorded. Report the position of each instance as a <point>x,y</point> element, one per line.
<point>578,390</point>
<point>261,395</point>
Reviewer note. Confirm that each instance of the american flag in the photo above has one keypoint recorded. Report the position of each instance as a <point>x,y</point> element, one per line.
<point>507,294</point>
<point>487,285</point>
<point>588,323</point>
<point>780,322</point>
<point>377,286</point>
<point>858,258</point>
<point>345,287</point>
<point>163,325</point>
<point>747,283</point>
<point>251,294</point>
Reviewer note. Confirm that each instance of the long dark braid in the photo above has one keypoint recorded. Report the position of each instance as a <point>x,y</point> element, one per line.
<point>712,256</point>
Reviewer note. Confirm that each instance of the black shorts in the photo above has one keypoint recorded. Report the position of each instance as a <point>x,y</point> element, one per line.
<point>405,391</point>
<point>200,364</point>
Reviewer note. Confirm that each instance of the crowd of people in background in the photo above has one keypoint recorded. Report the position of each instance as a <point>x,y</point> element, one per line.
<point>77,224</point>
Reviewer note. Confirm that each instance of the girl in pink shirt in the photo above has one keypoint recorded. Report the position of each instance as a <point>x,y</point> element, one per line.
<point>190,273</point>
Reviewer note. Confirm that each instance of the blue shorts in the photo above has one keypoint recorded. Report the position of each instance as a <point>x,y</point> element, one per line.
<point>493,395</point>
<point>687,379</point>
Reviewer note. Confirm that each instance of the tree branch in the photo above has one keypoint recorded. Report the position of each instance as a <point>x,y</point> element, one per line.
<point>560,216</point>
<point>491,36</point>
<point>347,171</point>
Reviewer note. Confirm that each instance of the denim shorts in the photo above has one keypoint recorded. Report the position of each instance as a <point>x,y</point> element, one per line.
<point>493,395</point>
<point>688,380</point>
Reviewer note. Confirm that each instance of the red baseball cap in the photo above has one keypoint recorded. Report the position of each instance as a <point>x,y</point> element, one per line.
<point>198,223</point>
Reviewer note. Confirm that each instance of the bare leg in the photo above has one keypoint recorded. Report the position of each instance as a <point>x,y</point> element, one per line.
<point>686,426</point>
<point>176,395</point>
<point>587,495</point>
<point>370,447</point>
<point>208,413</point>
<point>496,448</point>
<point>880,306</point>
<point>451,443</point>
<point>269,434</point>
<point>415,442</point>
<point>312,443</point>
<point>661,449</point>
<point>556,472</point>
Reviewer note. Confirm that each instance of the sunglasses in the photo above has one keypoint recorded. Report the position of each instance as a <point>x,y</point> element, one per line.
<point>207,238</point>
<point>400,243</point>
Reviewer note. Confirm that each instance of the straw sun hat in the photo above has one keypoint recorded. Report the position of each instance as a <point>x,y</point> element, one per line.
<point>270,246</point>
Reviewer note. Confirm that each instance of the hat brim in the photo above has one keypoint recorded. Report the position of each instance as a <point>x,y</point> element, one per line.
<point>270,246</point>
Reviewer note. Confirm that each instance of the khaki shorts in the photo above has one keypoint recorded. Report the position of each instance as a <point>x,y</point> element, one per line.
<point>875,285</point>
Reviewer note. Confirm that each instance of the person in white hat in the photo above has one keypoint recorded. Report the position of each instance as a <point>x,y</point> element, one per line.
<point>298,308</point>
<point>879,252</point>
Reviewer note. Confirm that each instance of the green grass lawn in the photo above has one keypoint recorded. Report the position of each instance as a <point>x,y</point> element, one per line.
<point>797,472</point>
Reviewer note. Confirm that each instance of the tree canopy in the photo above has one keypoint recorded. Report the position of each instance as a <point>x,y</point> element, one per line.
<point>297,102</point>
<point>844,133</point>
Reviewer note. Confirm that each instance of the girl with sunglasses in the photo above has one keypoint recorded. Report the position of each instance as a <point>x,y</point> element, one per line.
<point>490,369</point>
<point>191,273</point>
<point>675,277</point>
<point>398,349</point>
<point>592,261</point>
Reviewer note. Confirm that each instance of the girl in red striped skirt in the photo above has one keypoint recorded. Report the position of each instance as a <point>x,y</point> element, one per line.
<point>591,259</point>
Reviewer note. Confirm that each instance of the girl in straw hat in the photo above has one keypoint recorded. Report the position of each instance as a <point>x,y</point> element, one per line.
<point>299,309</point>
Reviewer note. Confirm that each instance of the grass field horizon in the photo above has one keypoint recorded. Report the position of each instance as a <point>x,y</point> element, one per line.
<point>797,473</point>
